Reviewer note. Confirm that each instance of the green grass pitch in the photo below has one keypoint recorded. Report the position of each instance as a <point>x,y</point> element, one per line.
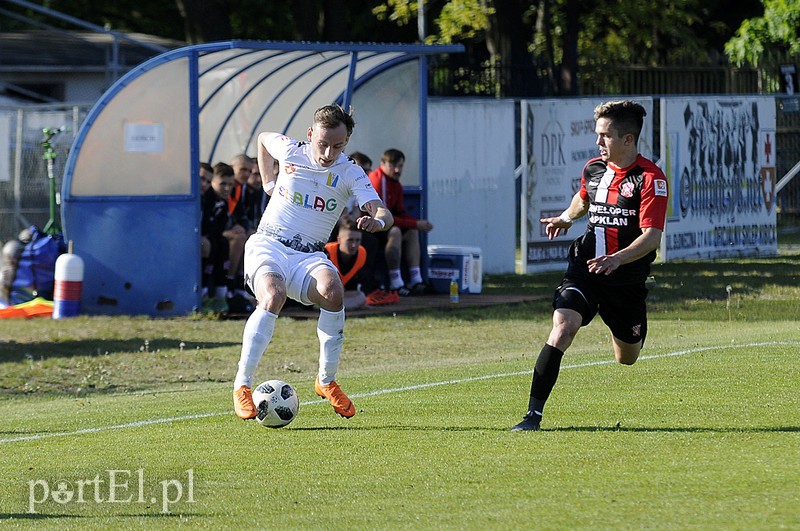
<point>126,423</point>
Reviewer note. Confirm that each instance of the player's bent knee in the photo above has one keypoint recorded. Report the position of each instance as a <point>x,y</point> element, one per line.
<point>330,296</point>
<point>273,302</point>
<point>626,353</point>
<point>326,291</point>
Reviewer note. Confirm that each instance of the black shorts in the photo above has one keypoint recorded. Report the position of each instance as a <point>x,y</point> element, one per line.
<point>622,307</point>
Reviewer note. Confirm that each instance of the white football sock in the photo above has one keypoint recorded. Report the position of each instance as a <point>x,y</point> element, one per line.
<point>330,330</point>
<point>395,279</point>
<point>416,275</point>
<point>255,339</point>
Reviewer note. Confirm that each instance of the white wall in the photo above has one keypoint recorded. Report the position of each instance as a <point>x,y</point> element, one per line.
<point>471,194</point>
<point>387,116</point>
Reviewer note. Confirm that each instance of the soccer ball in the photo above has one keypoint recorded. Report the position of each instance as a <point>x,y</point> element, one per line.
<point>276,402</point>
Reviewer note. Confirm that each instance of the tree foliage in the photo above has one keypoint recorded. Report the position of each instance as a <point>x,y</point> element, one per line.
<point>557,37</point>
<point>549,40</point>
<point>195,21</point>
<point>463,20</point>
<point>777,30</point>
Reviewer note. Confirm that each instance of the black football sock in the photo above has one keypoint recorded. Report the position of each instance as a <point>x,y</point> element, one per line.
<point>545,374</point>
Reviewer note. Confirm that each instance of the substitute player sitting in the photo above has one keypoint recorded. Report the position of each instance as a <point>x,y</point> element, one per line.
<point>350,259</point>
<point>286,258</point>
<point>625,196</point>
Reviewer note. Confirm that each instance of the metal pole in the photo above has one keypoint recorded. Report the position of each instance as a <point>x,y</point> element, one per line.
<point>421,20</point>
<point>53,226</point>
<point>18,170</point>
<point>787,178</point>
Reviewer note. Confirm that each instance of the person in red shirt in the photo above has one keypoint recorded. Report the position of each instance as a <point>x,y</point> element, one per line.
<point>401,242</point>
<point>625,196</point>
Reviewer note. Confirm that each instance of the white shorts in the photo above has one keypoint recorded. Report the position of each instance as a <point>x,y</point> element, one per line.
<point>263,255</point>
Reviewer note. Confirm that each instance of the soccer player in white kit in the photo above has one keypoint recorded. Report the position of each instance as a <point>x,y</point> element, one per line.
<point>286,258</point>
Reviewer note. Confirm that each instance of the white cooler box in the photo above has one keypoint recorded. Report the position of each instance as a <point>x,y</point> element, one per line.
<point>448,261</point>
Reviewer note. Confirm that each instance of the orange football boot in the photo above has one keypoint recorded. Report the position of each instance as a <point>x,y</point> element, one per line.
<point>341,404</point>
<point>243,403</point>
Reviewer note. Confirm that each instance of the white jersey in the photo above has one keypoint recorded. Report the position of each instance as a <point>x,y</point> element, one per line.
<point>308,198</point>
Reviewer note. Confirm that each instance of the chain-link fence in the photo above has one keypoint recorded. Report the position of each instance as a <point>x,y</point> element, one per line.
<point>24,182</point>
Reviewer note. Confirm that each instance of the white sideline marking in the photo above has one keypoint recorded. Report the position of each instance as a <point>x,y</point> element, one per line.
<point>140,423</point>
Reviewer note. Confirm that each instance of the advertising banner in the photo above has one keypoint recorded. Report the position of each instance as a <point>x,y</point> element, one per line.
<point>719,157</point>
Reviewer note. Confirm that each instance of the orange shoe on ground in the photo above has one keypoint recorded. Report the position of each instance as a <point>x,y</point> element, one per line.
<point>243,403</point>
<point>380,297</point>
<point>341,404</point>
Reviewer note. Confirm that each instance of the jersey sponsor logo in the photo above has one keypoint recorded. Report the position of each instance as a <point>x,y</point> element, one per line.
<point>317,203</point>
<point>661,187</point>
<point>610,215</point>
<point>608,221</point>
<point>611,210</point>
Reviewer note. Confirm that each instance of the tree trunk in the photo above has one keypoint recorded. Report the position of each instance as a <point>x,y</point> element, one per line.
<point>205,20</point>
<point>569,52</point>
<point>543,25</point>
<point>335,28</point>
<point>507,38</point>
<point>307,15</point>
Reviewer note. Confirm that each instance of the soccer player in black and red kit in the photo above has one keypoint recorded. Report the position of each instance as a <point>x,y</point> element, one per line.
<point>625,196</point>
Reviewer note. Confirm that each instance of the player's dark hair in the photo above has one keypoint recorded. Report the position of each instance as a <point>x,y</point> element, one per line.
<point>392,156</point>
<point>360,158</point>
<point>223,170</point>
<point>330,116</point>
<point>626,116</point>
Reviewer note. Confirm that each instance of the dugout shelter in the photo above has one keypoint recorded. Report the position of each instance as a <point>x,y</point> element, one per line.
<point>130,194</point>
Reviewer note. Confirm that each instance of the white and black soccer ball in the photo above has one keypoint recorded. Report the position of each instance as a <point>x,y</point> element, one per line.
<point>276,402</point>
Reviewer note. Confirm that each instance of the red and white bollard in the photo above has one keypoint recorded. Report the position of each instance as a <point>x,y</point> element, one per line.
<point>68,285</point>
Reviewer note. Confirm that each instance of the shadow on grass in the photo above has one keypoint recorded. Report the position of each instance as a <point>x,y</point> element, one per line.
<point>394,428</point>
<point>776,429</point>
<point>53,516</point>
<point>16,352</point>
<point>703,429</point>
<point>36,516</point>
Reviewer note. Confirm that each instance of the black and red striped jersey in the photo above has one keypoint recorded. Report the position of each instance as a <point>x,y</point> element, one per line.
<point>622,202</point>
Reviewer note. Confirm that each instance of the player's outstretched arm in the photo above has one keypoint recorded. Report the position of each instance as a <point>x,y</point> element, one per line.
<point>576,209</point>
